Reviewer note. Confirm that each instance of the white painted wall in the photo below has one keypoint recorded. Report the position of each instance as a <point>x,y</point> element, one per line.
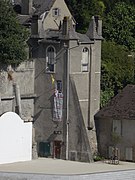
<point>15,139</point>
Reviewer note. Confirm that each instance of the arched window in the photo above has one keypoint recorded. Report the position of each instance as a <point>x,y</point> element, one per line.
<point>85,59</point>
<point>50,59</point>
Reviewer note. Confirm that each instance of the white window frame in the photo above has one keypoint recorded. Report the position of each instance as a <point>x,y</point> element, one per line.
<point>49,61</point>
<point>85,60</point>
<point>55,12</point>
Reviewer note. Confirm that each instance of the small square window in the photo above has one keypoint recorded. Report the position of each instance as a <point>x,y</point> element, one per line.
<point>56,12</point>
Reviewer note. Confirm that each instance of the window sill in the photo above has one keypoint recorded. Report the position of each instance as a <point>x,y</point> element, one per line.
<point>50,72</point>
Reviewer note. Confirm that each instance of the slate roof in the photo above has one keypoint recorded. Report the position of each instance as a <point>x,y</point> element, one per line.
<point>57,34</point>
<point>84,38</point>
<point>24,19</point>
<point>122,106</point>
<point>42,5</point>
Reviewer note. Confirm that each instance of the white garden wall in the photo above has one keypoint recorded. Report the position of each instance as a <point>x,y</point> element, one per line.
<point>15,139</point>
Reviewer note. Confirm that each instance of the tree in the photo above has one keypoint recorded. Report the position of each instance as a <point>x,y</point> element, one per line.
<point>12,36</point>
<point>83,10</point>
<point>111,3</point>
<point>117,70</point>
<point>118,26</point>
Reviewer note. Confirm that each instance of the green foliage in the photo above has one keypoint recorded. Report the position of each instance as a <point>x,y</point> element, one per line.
<point>119,25</point>
<point>12,36</point>
<point>98,157</point>
<point>105,96</point>
<point>109,4</point>
<point>83,10</point>
<point>117,70</point>
<point>100,8</point>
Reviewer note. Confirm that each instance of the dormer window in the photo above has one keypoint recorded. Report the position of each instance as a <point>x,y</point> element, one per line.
<point>85,59</point>
<point>50,59</point>
<point>56,12</point>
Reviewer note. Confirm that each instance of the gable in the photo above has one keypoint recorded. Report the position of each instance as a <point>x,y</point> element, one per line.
<point>52,20</point>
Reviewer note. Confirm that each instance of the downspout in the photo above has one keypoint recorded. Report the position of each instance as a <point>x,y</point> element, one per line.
<point>90,123</point>
<point>17,98</point>
<point>67,120</point>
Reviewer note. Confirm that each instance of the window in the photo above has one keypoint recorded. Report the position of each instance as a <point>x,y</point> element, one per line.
<point>56,12</point>
<point>85,59</point>
<point>50,59</point>
<point>129,153</point>
<point>59,86</point>
<point>117,127</point>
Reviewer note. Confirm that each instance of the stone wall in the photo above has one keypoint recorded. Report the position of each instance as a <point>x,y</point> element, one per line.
<point>23,77</point>
<point>17,91</point>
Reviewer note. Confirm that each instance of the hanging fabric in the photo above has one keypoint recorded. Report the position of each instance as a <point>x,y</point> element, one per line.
<point>58,106</point>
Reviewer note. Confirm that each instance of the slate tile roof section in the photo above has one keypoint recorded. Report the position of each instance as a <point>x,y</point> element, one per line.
<point>84,38</point>
<point>42,5</point>
<point>122,106</point>
<point>24,19</point>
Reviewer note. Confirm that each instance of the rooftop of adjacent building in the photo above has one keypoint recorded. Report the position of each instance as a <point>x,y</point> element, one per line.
<point>122,106</point>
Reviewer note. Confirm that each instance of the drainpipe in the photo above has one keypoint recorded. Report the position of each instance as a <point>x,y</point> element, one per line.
<point>18,98</point>
<point>67,120</point>
<point>65,31</point>
<point>90,121</point>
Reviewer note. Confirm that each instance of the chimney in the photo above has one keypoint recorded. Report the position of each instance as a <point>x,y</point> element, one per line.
<point>95,28</point>
<point>27,7</point>
<point>34,25</point>
<point>98,23</point>
<point>65,26</point>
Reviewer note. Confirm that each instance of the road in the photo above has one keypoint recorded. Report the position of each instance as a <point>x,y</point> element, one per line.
<point>49,169</point>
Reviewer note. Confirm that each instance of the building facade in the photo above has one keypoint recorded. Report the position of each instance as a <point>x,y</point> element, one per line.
<point>115,125</point>
<point>66,81</point>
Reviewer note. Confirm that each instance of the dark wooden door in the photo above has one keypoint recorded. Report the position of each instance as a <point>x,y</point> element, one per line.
<point>57,149</point>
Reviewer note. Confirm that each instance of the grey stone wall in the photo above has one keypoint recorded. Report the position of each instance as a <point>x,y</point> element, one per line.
<point>44,89</point>
<point>81,140</point>
<point>23,77</point>
<point>104,134</point>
